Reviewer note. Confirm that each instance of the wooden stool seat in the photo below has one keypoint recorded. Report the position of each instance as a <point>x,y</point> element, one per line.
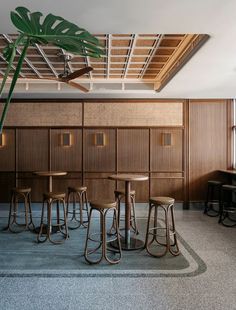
<point>78,195</point>
<point>53,195</point>
<point>103,204</point>
<point>122,192</point>
<point>213,182</point>
<point>166,204</point>
<point>77,189</point>
<point>100,237</point>
<point>164,201</point>
<point>20,193</point>
<point>228,187</point>
<point>21,190</point>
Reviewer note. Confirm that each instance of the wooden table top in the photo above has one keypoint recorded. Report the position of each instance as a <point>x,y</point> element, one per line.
<point>230,171</point>
<point>50,173</point>
<point>128,177</point>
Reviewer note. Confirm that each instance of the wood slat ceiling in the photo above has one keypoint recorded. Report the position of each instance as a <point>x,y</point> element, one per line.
<point>145,57</point>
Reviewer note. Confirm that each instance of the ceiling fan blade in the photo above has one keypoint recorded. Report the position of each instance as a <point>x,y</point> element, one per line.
<point>78,86</point>
<point>77,74</point>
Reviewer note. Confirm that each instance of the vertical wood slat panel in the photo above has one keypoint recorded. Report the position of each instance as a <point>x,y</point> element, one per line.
<point>99,158</point>
<point>133,150</point>
<point>207,144</point>
<point>66,158</point>
<point>7,152</point>
<point>100,189</point>
<point>166,158</point>
<point>38,185</point>
<point>167,187</point>
<point>32,149</point>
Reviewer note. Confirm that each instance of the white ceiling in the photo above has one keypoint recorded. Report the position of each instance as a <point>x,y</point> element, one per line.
<point>211,73</point>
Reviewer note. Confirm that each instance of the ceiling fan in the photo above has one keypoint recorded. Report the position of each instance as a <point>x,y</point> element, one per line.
<point>67,76</point>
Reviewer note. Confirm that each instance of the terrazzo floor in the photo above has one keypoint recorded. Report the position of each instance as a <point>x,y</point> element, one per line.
<point>214,289</point>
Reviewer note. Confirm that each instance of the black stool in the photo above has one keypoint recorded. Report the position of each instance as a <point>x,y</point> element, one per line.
<point>119,195</point>
<point>46,230</point>
<point>103,207</point>
<point>78,195</point>
<point>227,205</point>
<point>213,198</point>
<point>18,194</point>
<point>167,205</point>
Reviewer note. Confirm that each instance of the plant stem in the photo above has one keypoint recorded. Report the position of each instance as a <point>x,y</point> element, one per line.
<point>13,83</point>
<point>16,43</point>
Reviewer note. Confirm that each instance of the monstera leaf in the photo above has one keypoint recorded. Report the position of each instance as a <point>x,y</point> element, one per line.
<point>57,31</point>
<point>53,30</point>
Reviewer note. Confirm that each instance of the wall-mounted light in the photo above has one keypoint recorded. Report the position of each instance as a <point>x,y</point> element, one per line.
<point>2,140</point>
<point>66,139</point>
<point>100,139</point>
<point>167,139</point>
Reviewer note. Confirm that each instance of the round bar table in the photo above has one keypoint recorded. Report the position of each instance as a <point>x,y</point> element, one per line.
<point>50,174</point>
<point>128,242</point>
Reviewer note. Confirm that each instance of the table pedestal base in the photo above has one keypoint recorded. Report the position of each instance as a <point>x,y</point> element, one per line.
<point>135,244</point>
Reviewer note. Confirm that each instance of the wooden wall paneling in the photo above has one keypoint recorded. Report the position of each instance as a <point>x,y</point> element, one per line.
<point>208,132</point>
<point>98,158</point>
<point>99,186</point>
<point>7,182</point>
<point>133,150</point>
<point>186,154</point>
<point>33,149</point>
<point>7,152</point>
<point>39,185</point>
<point>133,113</point>
<point>61,184</point>
<point>230,140</point>
<point>66,158</point>
<point>167,158</point>
<point>170,187</point>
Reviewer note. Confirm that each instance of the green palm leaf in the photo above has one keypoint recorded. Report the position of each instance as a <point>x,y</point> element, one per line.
<point>57,31</point>
<point>53,30</point>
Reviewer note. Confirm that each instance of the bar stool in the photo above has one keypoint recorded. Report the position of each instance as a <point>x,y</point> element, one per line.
<point>17,194</point>
<point>227,206</point>
<point>61,224</point>
<point>167,204</point>
<point>103,207</point>
<point>213,197</point>
<point>119,195</point>
<point>80,194</point>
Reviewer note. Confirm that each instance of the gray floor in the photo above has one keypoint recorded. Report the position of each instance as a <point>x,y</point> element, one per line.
<point>213,289</point>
